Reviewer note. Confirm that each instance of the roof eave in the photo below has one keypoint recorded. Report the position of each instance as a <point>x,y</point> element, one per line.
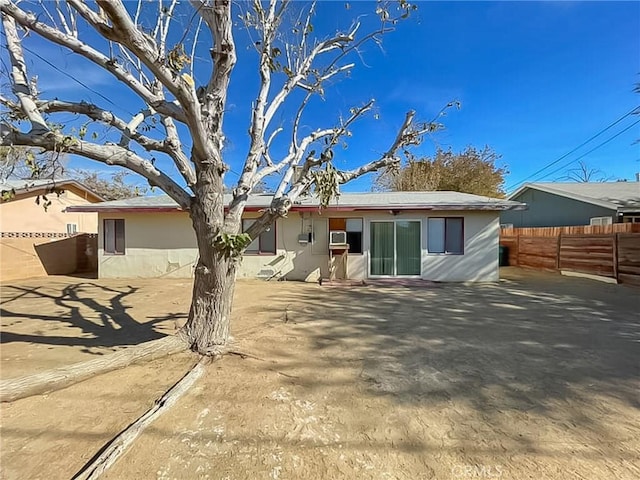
<point>62,183</point>
<point>571,196</point>
<point>308,208</point>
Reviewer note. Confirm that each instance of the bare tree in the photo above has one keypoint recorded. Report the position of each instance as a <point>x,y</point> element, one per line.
<point>175,112</point>
<point>584,174</point>
<point>114,187</point>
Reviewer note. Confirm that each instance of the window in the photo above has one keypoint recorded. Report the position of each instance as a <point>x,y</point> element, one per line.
<point>354,234</point>
<point>72,228</point>
<point>114,236</point>
<point>600,221</point>
<point>265,243</point>
<point>445,235</point>
<point>353,227</point>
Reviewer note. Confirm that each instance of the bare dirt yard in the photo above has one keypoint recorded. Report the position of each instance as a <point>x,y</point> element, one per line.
<point>536,377</point>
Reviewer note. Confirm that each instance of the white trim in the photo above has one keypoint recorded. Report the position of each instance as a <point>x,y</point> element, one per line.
<point>74,227</point>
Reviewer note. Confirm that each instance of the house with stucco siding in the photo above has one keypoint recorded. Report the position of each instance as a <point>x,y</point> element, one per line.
<point>39,236</point>
<point>23,209</point>
<point>440,236</point>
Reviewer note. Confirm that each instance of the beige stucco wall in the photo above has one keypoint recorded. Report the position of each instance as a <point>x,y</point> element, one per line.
<point>156,245</point>
<point>22,214</point>
<point>480,260</point>
<point>163,245</point>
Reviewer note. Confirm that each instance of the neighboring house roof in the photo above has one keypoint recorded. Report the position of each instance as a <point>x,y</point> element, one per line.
<point>618,196</point>
<point>345,202</point>
<point>25,186</point>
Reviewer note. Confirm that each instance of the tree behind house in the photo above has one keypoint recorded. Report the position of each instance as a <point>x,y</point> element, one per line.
<point>470,171</point>
<point>113,188</point>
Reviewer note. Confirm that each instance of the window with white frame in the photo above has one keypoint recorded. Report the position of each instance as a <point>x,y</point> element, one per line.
<point>72,228</point>
<point>114,236</point>
<point>265,244</point>
<point>445,235</point>
<point>600,221</point>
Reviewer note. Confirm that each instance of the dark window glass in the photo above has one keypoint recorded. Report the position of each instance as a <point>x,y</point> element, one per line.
<point>354,239</point>
<point>114,236</point>
<point>265,243</point>
<point>454,237</point>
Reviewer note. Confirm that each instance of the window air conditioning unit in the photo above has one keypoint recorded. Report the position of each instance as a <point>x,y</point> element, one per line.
<point>337,237</point>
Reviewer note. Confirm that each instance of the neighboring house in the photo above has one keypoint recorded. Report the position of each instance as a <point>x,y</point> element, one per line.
<point>442,236</point>
<point>36,242</point>
<point>23,214</point>
<point>568,204</point>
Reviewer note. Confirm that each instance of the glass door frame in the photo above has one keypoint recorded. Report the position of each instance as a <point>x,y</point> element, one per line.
<point>395,246</point>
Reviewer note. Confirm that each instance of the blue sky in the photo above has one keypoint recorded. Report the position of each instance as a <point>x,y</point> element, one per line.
<point>535,79</point>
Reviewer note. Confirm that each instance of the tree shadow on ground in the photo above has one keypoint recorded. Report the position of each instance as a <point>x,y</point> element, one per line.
<point>522,345</point>
<point>84,314</point>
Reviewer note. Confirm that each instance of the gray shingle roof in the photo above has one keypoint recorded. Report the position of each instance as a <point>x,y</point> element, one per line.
<point>615,195</point>
<point>371,201</point>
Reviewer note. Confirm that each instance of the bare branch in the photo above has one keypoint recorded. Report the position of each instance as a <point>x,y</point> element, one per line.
<point>108,154</point>
<point>223,53</point>
<point>171,146</point>
<point>174,149</point>
<point>106,117</point>
<point>298,150</point>
<point>265,154</point>
<point>408,134</point>
<point>59,38</point>
<point>294,80</point>
<point>257,129</point>
<point>20,85</point>
<point>165,27</point>
<point>194,45</point>
<point>93,18</point>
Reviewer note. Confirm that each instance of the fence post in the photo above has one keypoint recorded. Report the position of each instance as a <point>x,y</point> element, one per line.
<point>558,245</point>
<point>615,256</point>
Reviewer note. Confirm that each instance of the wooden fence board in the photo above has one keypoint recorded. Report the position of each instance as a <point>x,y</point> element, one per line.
<point>511,243</point>
<point>629,279</point>
<point>537,252</point>
<point>574,230</point>
<point>629,258</point>
<point>607,250</point>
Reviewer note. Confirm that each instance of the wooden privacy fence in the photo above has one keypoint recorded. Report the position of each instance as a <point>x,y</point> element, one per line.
<point>606,250</point>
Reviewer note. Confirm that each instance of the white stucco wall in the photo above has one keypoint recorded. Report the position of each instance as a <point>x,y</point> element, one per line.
<point>156,245</point>
<point>163,245</point>
<point>479,263</point>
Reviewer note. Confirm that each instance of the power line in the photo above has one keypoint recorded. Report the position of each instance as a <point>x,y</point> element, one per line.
<point>631,112</point>
<point>592,150</point>
<point>68,75</point>
<point>56,68</point>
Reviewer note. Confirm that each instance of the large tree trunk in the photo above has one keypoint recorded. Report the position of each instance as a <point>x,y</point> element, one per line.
<point>207,328</point>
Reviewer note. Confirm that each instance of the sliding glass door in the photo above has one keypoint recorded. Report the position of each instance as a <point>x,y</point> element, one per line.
<point>395,248</point>
<point>382,248</point>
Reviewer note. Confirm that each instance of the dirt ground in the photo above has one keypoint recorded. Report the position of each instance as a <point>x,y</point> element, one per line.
<point>537,377</point>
